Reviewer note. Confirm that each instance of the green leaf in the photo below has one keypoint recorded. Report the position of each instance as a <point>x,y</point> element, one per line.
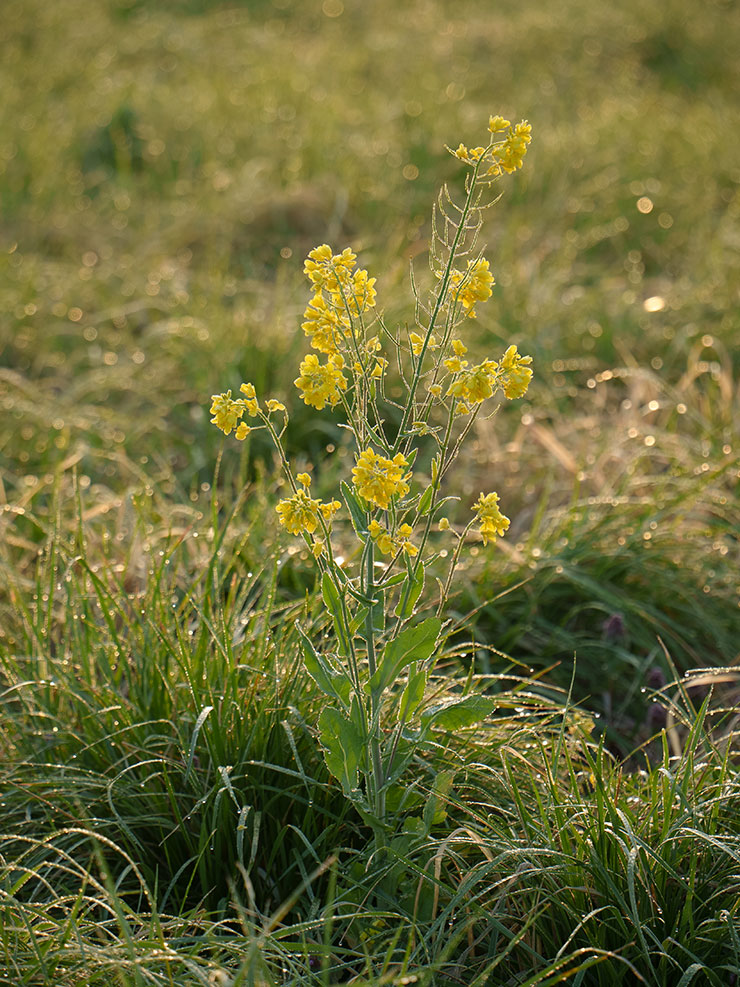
<point>358,620</point>
<point>334,684</point>
<point>343,747</point>
<point>412,644</point>
<point>331,597</point>
<point>410,592</point>
<point>357,512</point>
<point>426,501</point>
<point>413,694</point>
<point>458,714</point>
<point>435,811</point>
<point>333,603</point>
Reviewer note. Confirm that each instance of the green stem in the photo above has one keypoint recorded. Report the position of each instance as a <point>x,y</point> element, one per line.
<point>377,763</point>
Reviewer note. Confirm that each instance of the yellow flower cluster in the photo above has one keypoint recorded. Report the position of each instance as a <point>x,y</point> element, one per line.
<point>510,156</point>
<point>389,543</point>
<point>300,513</point>
<point>377,479</point>
<point>506,155</point>
<point>475,285</point>
<point>329,271</point>
<point>493,523</point>
<point>514,373</point>
<point>349,292</point>
<point>227,411</point>
<point>472,386</point>
<point>325,326</point>
<point>319,383</point>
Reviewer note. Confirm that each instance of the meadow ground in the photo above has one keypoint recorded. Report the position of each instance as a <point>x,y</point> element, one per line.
<point>165,812</point>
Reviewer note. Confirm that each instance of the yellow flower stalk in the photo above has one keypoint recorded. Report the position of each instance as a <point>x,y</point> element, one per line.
<point>390,414</point>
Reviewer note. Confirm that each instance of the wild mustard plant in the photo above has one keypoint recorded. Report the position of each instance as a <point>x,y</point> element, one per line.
<point>375,676</point>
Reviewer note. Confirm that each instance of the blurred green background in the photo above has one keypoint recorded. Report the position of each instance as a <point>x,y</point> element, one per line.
<point>164,168</point>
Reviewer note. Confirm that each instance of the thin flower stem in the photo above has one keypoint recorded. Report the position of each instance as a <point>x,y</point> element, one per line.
<point>453,565</point>
<point>441,294</point>
<point>369,637</point>
<point>331,563</point>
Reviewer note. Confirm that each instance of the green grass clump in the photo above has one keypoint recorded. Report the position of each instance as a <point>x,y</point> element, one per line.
<point>167,813</point>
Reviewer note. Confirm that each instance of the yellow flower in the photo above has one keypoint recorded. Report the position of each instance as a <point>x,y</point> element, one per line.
<point>324,326</point>
<point>455,365</point>
<point>329,509</point>
<point>495,124</point>
<point>226,411</point>
<point>318,548</point>
<point>299,513</point>
<point>459,347</point>
<point>372,345</point>
<point>358,294</point>
<point>514,373</point>
<point>319,383</point>
<point>404,534</point>
<point>377,479</point>
<point>510,155</point>
<point>305,479</point>
<point>493,523</point>
<point>327,270</point>
<point>375,528</point>
<point>379,368</point>
<point>417,343</point>
<point>273,405</point>
<point>388,543</point>
<point>474,286</point>
<point>475,385</point>
<point>462,153</point>
<point>435,390</point>
<point>385,543</point>
<point>251,403</point>
<point>443,524</point>
<point>242,432</point>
